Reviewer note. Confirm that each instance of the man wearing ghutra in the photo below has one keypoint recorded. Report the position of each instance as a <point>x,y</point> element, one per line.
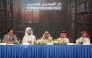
<point>46,37</point>
<point>29,37</point>
<point>63,36</point>
<point>84,38</point>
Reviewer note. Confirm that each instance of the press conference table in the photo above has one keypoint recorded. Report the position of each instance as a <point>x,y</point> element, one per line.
<point>45,51</point>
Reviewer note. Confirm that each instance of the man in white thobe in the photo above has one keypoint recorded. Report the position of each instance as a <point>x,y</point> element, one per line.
<point>29,37</point>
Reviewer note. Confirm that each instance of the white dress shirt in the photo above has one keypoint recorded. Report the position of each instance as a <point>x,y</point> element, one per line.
<point>85,40</point>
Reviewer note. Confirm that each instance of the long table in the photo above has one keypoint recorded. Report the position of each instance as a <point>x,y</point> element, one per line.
<point>45,51</point>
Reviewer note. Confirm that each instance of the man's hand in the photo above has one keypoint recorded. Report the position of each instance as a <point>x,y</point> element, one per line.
<point>8,42</point>
<point>29,41</point>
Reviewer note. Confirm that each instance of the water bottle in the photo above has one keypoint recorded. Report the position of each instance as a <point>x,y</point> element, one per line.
<point>19,41</point>
<point>0,40</point>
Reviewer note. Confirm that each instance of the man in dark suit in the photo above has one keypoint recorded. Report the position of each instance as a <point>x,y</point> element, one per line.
<point>10,38</point>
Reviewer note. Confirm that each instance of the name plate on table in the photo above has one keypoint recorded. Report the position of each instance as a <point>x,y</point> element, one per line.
<point>3,44</point>
<point>26,44</point>
<point>70,43</point>
<point>86,43</point>
<point>6,44</point>
<point>49,43</point>
<point>78,44</point>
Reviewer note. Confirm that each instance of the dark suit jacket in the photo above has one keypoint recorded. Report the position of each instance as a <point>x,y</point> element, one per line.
<point>14,40</point>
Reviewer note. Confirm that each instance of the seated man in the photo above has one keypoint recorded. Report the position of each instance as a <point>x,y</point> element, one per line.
<point>10,38</point>
<point>46,38</point>
<point>84,38</point>
<point>63,38</point>
<point>29,37</point>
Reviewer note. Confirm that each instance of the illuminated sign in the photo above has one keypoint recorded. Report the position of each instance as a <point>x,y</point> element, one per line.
<point>44,6</point>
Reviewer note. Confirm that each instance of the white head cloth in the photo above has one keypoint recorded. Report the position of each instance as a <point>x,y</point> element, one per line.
<point>27,30</point>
